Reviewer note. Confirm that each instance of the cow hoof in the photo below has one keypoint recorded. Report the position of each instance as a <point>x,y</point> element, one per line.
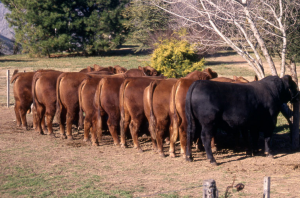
<point>189,159</point>
<point>214,163</point>
<point>123,146</point>
<point>41,133</point>
<point>117,144</point>
<point>214,149</point>
<point>270,155</point>
<point>161,154</point>
<point>63,137</point>
<point>70,137</point>
<point>184,156</point>
<point>86,140</point>
<point>95,144</point>
<point>172,155</point>
<point>51,135</point>
<point>140,150</point>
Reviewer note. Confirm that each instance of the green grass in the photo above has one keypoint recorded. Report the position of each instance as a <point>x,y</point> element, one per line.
<point>23,62</point>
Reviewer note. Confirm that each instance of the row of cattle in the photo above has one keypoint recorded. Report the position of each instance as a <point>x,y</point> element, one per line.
<point>127,99</point>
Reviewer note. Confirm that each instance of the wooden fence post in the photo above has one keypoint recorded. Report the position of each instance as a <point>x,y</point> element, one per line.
<point>267,183</point>
<point>210,189</point>
<point>8,83</point>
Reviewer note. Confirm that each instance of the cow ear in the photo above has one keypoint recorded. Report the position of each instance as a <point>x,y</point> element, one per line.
<point>235,78</point>
<point>287,80</point>
<point>110,68</point>
<point>147,71</point>
<point>89,69</point>
<point>255,78</point>
<point>140,68</point>
<point>114,70</point>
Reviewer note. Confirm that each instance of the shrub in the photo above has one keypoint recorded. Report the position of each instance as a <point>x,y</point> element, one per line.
<point>176,57</point>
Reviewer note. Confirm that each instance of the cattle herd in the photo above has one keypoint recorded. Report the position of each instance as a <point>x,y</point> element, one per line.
<point>191,108</point>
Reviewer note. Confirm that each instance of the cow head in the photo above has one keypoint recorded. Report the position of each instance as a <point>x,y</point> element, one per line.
<point>149,71</point>
<point>291,87</point>
<point>211,73</point>
<point>119,70</point>
<point>240,79</point>
<point>97,67</point>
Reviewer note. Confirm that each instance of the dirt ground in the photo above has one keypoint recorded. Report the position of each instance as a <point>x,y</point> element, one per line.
<point>146,173</point>
<point>77,169</point>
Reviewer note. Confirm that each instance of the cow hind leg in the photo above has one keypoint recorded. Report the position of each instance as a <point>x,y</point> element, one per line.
<point>49,118</point>
<point>18,117</point>
<point>173,136</point>
<point>62,124</point>
<point>40,118</point>
<point>124,125</point>
<point>87,127</point>
<point>22,113</point>
<point>268,151</point>
<point>134,127</point>
<point>70,119</point>
<point>206,136</point>
<point>113,126</point>
<point>159,137</point>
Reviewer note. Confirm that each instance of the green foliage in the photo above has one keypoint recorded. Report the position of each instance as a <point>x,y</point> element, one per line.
<point>176,57</point>
<point>47,26</point>
<point>144,19</point>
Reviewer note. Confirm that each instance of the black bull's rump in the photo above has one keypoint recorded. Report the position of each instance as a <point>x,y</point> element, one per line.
<point>253,106</point>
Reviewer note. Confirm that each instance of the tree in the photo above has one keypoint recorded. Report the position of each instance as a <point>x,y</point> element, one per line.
<point>245,26</point>
<point>145,22</point>
<point>45,26</point>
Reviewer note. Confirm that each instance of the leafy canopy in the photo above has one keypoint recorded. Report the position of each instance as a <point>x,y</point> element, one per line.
<point>45,26</point>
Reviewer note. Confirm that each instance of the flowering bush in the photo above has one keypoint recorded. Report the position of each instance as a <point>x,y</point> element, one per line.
<point>176,58</point>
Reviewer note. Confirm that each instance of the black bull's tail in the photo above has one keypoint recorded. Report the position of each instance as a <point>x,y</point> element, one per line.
<point>191,128</point>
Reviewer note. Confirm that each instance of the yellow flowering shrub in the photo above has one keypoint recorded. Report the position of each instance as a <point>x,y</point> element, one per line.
<point>175,58</point>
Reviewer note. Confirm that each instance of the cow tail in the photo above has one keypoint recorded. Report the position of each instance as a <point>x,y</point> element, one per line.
<point>174,115</point>
<point>58,101</point>
<point>152,123</point>
<point>14,76</point>
<point>80,121</point>
<point>122,108</point>
<point>36,76</point>
<point>191,122</point>
<point>97,102</point>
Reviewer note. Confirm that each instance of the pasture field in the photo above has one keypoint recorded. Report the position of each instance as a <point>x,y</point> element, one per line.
<point>33,165</point>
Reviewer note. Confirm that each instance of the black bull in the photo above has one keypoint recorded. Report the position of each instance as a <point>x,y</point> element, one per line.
<point>253,106</point>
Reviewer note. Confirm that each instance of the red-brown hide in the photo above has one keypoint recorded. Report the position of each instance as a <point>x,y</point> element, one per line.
<point>156,106</point>
<point>22,95</point>
<point>107,102</point>
<point>86,94</point>
<point>177,108</point>
<point>44,98</point>
<point>132,107</point>
<point>67,109</point>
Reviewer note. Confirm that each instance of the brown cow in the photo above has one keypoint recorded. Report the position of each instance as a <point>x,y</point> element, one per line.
<point>177,109</point>
<point>67,98</point>
<point>149,71</point>
<point>44,98</point>
<point>67,109</point>
<point>234,80</point>
<point>107,102</point>
<point>156,100</point>
<point>132,107</point>
<point>22,95</point>
<point>86,94</point>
